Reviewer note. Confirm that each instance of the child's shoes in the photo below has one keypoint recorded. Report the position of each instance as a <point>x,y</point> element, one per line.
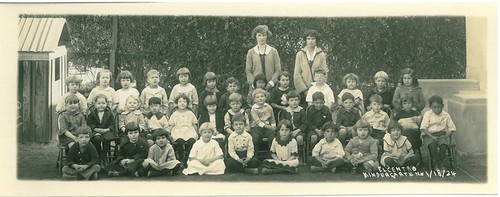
<point>354,170</point>
<point>316,169</point>
<point>94,176</point>
<point>266,171</point>
<point>254,171</point>
<point>333,170</point>
<point>113,173</point>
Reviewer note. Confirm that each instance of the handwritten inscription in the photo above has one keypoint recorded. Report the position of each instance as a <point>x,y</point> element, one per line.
<point>410,171</point>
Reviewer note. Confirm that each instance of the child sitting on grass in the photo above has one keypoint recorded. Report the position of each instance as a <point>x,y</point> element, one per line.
<point>161,157</point>
<point>397,148</point>
<point>240,148</point>
<point>328,154</point>
<point>206,156</point>
<point>82,160</point>
<point>366,145</point>
<point>284,152</point>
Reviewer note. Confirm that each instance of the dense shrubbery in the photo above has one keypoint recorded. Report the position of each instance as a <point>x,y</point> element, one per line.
<point>434,46</point>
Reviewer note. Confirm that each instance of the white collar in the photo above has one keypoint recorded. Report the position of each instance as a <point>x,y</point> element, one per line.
<point>297,109</point>
<point>268,49</point>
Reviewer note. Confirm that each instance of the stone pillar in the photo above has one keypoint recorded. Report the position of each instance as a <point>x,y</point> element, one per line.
<point>477,53</point>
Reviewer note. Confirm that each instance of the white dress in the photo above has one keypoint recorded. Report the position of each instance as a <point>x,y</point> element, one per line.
<point>284,152</point>
<point>399,147</point>
<point>183,122</point>
<point>202,150</point>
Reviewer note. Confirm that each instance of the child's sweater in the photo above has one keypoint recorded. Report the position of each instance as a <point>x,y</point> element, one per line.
<point>415,92</point>
<point>262,113</point>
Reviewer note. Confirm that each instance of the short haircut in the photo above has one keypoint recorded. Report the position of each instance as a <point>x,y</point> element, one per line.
<point>259,77</point>
<point>154,100</point>
<point>362,123</point>
<point>232,80</point>
<point>98,77</point>
<point>74,79</point>
<point>376,98</point>
<point>160,132</point>
<point>320,71</point>
<point>183,71</point>
<point>125,75</point>
<point>210,100</point>
<point>100,96</point>
<point>207,126</point>
<point>393,124</point>
<point>330,126</point>
<point>318,96</point>
<point>235,97</point>
<point>131,126</point>
<point>347,96</point>
<point>184,96</point>
<point>288,124</point>
<point>83,130</point>
<point>152,72</point>
<point>381,74</point>
<point>350,76</point>
<point>71,99</point>
<point>208,76</point>
<point>283,74</point>
<point>413,75</point>
<point>436,99</point>
<point>292,94</point>
<point>258,91</point>
<point>261,29</point>
<point>135,98</point>
<point>239,117</point>
<point>311,33</point>
<point>406,98</point>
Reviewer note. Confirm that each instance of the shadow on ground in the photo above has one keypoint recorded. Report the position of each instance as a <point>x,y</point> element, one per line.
<point>37,161</point>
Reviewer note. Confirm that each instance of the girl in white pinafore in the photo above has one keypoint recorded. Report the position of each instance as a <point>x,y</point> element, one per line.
<point>284,152</point>
<point>206,156</point>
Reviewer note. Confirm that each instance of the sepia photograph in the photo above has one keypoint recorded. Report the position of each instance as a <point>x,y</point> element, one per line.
<point>226,98</point>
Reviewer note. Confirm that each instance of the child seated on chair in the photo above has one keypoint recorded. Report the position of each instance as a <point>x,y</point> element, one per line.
<point>437,126</point>
<point>284,152</point>
<point>102,123</point>
<point>69,120</point>
<point>235,101</point>
<point>317,116</point>
<point>297,115</point>
<point>183,127</point>
<point>347,116</point>
<point>377,118</point>
<point>82,160</point>
<point>206,156</point>
<point>161,157</point>
<point>214,117</point>
<point>73,83</point>
<point>410,121</point>
<point>155,118</point>
<point>398,150</point>
<point>328,154</point>
<point>263,122</point>
<point>366,145</point>
<point>240,148</point>
<point>133,114</point>
<point>131,153</point>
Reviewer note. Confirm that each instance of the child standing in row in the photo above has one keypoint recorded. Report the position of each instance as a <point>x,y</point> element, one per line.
<point>263,121</point>
<point>82,160</point>
<point>210,83</point>
<point>103,79</point>
<point>437,126</point>
<point>69,120</point>
<point>367,146</point>
<point>320,85</point>
<point>284,152</point>
<point>241,149</point>
<point>206,157</point>
<point>408,84</point>
<point>235,101</point>
<point>380,80</point>
<point>351,82</point>
<point>232,86</point>
<point>397,148</point>
<point>102,123</point>
<point>182,126</point>
<point>184,87</point>
<point>328,154</point>
<point>73,83</point>
<point>131,153</point>
<point>125,78</point>
<point>278,94</point>
<point>377,118</point>
<point>154,90</point>
<point>161,157</point>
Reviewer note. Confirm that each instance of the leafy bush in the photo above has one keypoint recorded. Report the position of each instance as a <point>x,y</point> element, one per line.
<point>433,46</point>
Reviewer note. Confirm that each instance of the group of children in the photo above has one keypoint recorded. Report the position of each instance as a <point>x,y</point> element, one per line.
<point>157,134</point>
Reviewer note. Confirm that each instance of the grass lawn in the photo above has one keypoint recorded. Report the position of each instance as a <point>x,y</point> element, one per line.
<point>37,161</point>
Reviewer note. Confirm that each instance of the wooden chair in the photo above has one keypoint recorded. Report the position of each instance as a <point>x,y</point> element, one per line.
<point>451,154</point>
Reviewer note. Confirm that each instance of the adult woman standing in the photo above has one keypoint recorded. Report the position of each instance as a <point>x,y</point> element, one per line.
<point>307,60</point>
<point>262,58</point>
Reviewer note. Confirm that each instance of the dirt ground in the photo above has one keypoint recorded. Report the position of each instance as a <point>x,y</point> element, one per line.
<point>37,161</point>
